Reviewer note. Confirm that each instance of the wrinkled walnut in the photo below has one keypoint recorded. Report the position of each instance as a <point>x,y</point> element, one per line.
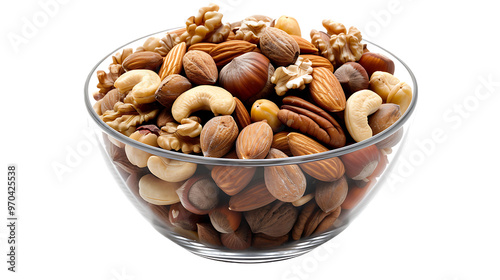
<point>165,44</point>
<point>183,136</point>
<point>125,116</point>
<point>276,219</point>
<point>149,45</point>
<point>119,57</point>
<point>250,30</point>
<point>107,80</point>
<point>342,46</point>
<point>292,77</point>
<point>206,26</point>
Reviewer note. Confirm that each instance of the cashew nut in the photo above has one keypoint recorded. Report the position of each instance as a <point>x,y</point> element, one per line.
<point>142,85</point>
<point>171,170</point>
<point>158,192</point>
<point>401,94</point>
<point>382,83</point>
<point>359,106</point>
<point>139,157</point>
<point>216,99</point>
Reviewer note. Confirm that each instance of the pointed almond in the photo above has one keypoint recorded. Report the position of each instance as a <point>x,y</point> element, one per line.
<point>172,63</point>
<point>285,182</point>
<point>326,170</point>
<point>254,141</point>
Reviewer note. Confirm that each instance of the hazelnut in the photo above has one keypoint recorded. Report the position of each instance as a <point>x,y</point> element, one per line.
<point>199,194</point>
<point>225,220</point>
<point>248,77</point>
<point>373,62</point>
<point>352,77</point>
<point>386,115</point>
<point>170,88</point>
<point>178,216</point>
<point>361,163</point>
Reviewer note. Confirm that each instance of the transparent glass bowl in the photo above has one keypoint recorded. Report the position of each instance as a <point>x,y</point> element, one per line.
<point>262,247</point>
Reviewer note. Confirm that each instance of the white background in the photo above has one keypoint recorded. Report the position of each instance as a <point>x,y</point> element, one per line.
<point>440,222</point>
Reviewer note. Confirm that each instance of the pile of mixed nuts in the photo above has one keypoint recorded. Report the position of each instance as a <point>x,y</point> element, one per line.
<point>253,89</point>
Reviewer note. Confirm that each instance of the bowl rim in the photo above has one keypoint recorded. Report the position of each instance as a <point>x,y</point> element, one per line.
<point>198,159</point>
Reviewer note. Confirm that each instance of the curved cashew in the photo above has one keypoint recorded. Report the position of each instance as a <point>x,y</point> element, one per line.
<point>158,192</point>
<point>142,85</point>
<point>382,83</point>
<point>139,157</point>
<point>401,94</point>
<point>216,99</point>
<point>171,170</point>
<point>359,106</point>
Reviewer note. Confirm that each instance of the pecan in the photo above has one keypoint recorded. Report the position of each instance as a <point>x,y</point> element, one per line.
<point>299,114</point>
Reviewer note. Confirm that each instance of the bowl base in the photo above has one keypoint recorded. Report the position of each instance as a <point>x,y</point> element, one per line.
<point>287,251</point>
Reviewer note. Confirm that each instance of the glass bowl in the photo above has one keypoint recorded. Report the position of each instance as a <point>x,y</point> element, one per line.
<point>203,234</point>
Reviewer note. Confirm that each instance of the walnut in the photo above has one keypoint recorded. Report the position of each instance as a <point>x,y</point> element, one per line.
<point>342,46</point>
<point>125,116</point>
<point>250,30</point>
<point>206,26</point>
<point>119,57</point>
<point>183,136</point>
<point>107,80</point>
<point>166,44</point>
<point>292,77</point>
<point>151,44</point>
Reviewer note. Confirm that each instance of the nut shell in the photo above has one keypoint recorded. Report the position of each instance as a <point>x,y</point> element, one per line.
<point>275,219</point>
<point>285,182</point>
<point>254,141</point>
<point>200,68</point>
<point>218,136</point>
<point>246,76</point>
<point>330,195</point>
<point>170,88</point>
<point>353,77</point>
<point>279,46</point>
<point>373,62</point>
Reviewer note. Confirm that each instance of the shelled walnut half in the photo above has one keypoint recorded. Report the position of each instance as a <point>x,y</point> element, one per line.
<point>183,136</point>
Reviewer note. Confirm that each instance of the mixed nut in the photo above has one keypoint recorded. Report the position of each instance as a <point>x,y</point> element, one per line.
<point>254,89</point>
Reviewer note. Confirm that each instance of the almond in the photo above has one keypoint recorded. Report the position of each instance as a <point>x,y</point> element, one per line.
<point>285,182</point>
<point>172,63</point>
<point>240,114</point>
<point>232,179</point>
<point>254,141</point>
<point>304,45</point>
<point>143,60</point>
<point>318,61</point>
<point>200,68</point>
<point>326,90</point>
<point>205,47</point>
<point>280,142</point>
<point>218,135</point>
<point>250,198</point>
<point>224,52</point>
<point>326,170</point>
